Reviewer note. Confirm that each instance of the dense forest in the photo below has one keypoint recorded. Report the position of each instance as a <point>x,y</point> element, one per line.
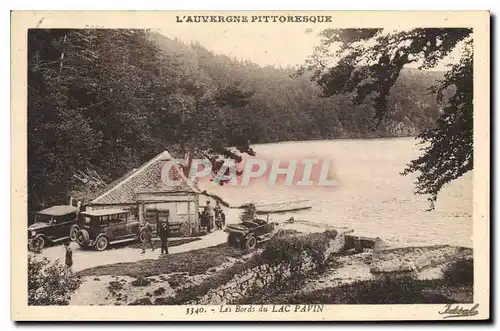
<point>104,101</point>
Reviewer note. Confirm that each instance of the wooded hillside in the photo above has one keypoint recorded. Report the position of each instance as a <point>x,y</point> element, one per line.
<point>108,100</point>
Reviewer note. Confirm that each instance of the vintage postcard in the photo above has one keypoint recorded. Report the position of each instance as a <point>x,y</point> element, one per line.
<point>223,166</point>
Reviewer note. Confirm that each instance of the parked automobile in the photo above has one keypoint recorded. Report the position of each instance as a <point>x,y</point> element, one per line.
<point>51,225</point>
<point>103,227</point>
<point>249,233</point>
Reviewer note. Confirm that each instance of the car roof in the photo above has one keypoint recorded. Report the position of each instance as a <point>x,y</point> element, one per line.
<point>104,212</point>
<point>59,210</point>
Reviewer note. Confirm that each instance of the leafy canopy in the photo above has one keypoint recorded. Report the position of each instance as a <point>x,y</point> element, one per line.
<point>368,62</point>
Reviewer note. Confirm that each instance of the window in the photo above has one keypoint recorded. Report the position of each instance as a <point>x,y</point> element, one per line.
<point>182,208</point>
<point>192,208</point>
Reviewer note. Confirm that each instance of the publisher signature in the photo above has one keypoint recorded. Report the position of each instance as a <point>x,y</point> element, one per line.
<point>452,310</point>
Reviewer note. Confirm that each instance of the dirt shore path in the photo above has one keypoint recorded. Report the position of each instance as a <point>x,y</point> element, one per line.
<point>84,259</point>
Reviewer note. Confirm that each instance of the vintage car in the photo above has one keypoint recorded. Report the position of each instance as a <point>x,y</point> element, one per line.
<point>51,225</point>
<point>249,233</point>
<point>102,227</point>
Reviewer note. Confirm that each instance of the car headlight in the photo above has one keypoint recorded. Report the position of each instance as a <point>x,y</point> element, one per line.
<point>33,233</point>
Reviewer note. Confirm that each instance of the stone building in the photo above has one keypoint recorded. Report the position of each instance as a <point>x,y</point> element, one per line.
<point>144,193</point>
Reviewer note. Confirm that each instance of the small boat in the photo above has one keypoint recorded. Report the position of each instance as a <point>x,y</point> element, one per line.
<point>283,207</point>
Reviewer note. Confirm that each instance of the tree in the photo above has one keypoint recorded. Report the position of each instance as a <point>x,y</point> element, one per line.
<point>48,283</point>
<point>368,65</point>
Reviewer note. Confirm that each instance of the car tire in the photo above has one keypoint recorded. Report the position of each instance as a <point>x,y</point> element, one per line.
<point>142,236</point>
<point>250,242</point>
<point>231,240</point>
<point>101,243</point>
<point>73,232</point>
<point>83,238</point>
<point>37,244</point>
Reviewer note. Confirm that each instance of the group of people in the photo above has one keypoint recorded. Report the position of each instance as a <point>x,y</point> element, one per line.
<point>213,216</point>
<point>163,231</point>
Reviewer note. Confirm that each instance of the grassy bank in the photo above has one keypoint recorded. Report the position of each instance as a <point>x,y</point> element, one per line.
<point>403,290</point>
<point>456,286</point>
<point>179,287</point>
<point>194,262</point>
<point>286,250</point>
<point>171,243</point>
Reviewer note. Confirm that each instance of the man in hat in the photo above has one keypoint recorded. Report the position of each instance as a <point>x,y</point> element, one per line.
<point>68,258</point>
<point>148,234</point>
<point>209,210</point>
<point>164,232</point>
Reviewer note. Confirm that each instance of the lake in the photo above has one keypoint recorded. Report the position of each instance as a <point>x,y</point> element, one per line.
<point>371,196</point>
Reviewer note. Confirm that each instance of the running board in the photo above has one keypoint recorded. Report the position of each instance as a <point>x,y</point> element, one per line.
<point>264,238</point>
<point>60,239</point>
<point>122,241</point>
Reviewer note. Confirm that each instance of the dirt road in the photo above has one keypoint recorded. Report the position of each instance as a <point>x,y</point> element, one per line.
<point>84,259</point>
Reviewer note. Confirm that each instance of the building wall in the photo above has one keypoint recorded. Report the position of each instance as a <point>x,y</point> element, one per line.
<point>182,207</point>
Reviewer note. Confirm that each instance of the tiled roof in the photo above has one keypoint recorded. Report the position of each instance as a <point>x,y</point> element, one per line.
<point>146,176</point>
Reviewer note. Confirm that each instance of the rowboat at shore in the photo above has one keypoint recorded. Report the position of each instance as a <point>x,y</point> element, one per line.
<point>283,207</point>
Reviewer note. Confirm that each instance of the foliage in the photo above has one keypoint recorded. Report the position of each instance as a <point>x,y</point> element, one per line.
<point>369,64</point>
<point>108,100</point>
<point>290,249</point>
<point>404,290</point>
<point>449,146</point>
<point>48,283</point>
<point>460,272</point>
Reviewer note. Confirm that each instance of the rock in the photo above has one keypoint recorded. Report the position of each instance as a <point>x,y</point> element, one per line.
<point>163,300</point>
<point>215,299</point>
<point>159,291</point>
<point>146,301</point>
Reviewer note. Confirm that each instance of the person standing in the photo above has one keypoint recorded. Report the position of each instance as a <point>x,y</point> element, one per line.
<point>209,210</point>
<point>148,233</point>
<point>68,259</point>
<point>164,233</point>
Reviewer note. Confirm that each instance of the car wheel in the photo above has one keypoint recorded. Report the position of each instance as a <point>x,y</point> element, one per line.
<point>251,242</point>
<point>142,236</point>
<point>73,233</point>
<point>231,240</point>
<point>38,244</point>
<point>82,238</point>
<point>101,243</point>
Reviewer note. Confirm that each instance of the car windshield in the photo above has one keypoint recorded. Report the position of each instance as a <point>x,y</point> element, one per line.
<point>43,218</point>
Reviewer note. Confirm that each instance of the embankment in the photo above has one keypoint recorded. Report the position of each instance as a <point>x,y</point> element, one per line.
<point>283,260</point>
<point>302,268</point>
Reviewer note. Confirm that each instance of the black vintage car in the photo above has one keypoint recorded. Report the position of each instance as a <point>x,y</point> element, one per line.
<point>249,233</point>
<point>51,225</point>
<point>100,228</point>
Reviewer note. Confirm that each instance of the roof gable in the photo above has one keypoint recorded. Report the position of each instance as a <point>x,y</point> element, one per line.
<point>148,175</point>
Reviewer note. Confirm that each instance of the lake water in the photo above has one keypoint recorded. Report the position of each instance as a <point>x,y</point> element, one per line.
<point>371,196</point>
